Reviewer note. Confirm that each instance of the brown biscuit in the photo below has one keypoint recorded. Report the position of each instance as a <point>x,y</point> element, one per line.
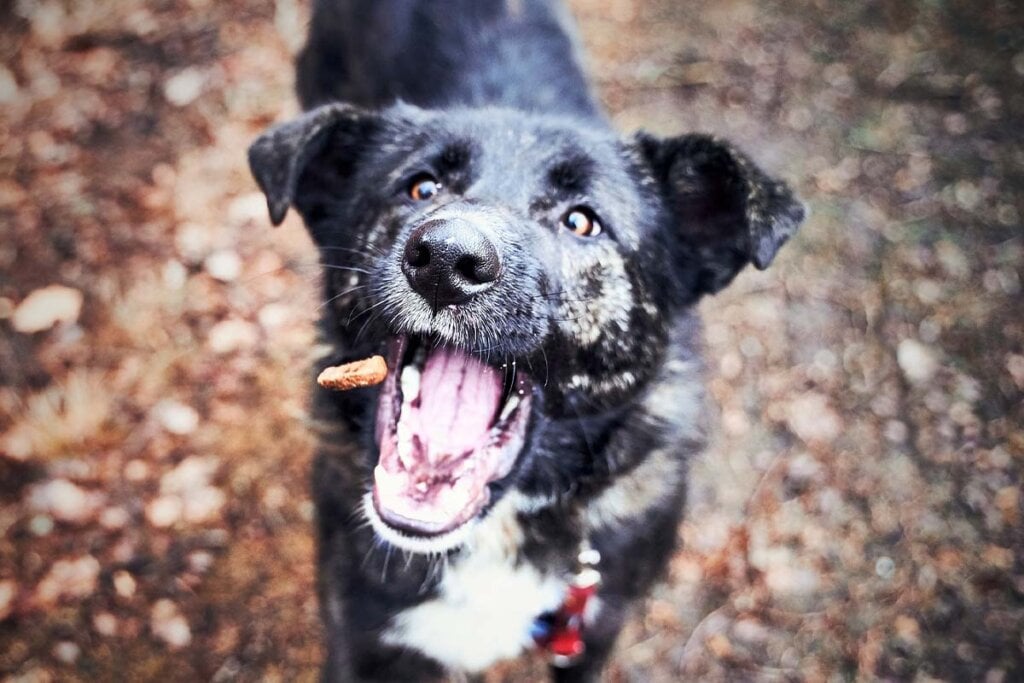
<point>360,373</point>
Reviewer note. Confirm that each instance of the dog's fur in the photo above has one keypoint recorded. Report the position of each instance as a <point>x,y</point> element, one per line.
<point>488,95</point>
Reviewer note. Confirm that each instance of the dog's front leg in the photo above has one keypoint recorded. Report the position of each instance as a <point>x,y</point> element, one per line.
<point>359,590</point>
<point>357,654</point>
<point>344,664</point>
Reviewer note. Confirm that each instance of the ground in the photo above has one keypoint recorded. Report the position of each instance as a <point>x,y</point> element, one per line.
<point>859,513</point>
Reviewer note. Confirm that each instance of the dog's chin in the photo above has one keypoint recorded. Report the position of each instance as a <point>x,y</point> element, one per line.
<point>448,427</point>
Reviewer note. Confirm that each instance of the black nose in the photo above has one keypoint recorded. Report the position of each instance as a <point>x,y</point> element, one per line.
<point>449,261</point>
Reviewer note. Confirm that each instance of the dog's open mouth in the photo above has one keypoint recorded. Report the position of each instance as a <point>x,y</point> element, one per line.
<point>448,426</point>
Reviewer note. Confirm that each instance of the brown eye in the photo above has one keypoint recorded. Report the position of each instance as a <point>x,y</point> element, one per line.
<point>582,222</point>
<point>424,187</point>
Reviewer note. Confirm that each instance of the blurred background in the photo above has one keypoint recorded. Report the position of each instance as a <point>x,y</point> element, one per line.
<point>859,513</point>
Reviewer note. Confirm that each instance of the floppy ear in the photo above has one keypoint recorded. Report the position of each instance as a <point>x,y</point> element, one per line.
<point>279,156</point>
<point>727,212</point>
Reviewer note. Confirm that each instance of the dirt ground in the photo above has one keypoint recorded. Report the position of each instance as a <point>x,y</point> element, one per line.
<point>859,515</point>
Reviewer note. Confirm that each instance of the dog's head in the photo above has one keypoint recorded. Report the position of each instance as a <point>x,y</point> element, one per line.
<point>522,274</point>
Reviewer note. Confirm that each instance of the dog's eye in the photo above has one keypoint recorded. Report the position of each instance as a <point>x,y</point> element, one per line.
<point>424,187</point>
<point>582,221</point>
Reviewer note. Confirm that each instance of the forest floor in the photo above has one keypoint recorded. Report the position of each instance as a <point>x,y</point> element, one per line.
<point>859,514</point>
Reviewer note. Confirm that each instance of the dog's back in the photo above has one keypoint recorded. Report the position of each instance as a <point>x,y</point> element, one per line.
<point>514,53</point>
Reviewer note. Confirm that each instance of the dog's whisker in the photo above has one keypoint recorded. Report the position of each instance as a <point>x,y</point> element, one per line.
<point>387,559</point>
<point>349,290</point>
<point>351,269</point>
<point>370,250</point>
<point>354,315</point>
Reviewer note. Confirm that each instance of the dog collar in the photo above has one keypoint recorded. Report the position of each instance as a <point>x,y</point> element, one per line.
<point>559,633</point>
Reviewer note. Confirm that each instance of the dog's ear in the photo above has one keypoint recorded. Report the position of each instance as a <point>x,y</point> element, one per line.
<point>727,212</point>
<point>279,156</point>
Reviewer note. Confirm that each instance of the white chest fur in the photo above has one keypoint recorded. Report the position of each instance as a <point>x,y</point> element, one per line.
<point>485,606</point>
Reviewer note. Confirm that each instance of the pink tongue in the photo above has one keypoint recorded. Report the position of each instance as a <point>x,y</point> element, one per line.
<point>459,396</point>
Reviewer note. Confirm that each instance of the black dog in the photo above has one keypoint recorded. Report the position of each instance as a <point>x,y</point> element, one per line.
<point>531,278</point>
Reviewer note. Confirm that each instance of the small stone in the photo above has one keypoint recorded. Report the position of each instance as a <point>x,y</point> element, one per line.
<point>812,419</point>
<point>64,501</point>
<point>192,473</point>
<point>885,567</point>
<point>44,308</point>
<point>907,629</point>
<point>750,631</point>
<point>40,525</point>
<point>731,365</point>
<point>8,591</point>
<point>114,518</point>
<point>175,274</point>
<point>176,417</point>
<point>273,316</point>
<point>916,360</point>
<point>200,561</point>
<point>735,422</point>
<point>802,468</point>
<point>105,624</point>
<point>233,335</point>
<point>164,511</point>
<point>136,470</point>
<point>66,652</point>
<point>187,494</point>
<point>719,645</point>
<point>204,504</point>
<point>1008,503</point>
<point>248,209</point>
<point>8,86</point>
<point>967,195</point>
<point>956,123</point>
<point>184,87</point>
<point>275,496</point>
<point>800,118</point>
<point>193,242</point>
<point>995,675</point>
<point>69,579</point>
<point>787,581</point>
<point>1007,214</point>
<point>1018,63</point>
<point>1015,366</point>
<point>124,584</point>
<point>169,625</point>
<point>896,431</point>
<point>998,557</point>
<point>31,674</point>
<point>224,265</point>
<point>16,444</point>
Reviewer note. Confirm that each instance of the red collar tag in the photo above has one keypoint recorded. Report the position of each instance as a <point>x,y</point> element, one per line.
<point>560,633</point>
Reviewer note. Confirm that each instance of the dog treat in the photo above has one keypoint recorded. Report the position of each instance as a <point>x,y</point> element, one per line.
<point>360,373</point>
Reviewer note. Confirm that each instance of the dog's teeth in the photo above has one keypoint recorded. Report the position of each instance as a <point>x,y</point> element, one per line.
<point>404,444</point>
<point>410,380</point>
<point>410,383</point>
<point>510,405</point>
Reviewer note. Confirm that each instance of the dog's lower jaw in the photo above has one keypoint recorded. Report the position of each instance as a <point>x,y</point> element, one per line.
<point>516,501</point>
<point>427,545</point>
